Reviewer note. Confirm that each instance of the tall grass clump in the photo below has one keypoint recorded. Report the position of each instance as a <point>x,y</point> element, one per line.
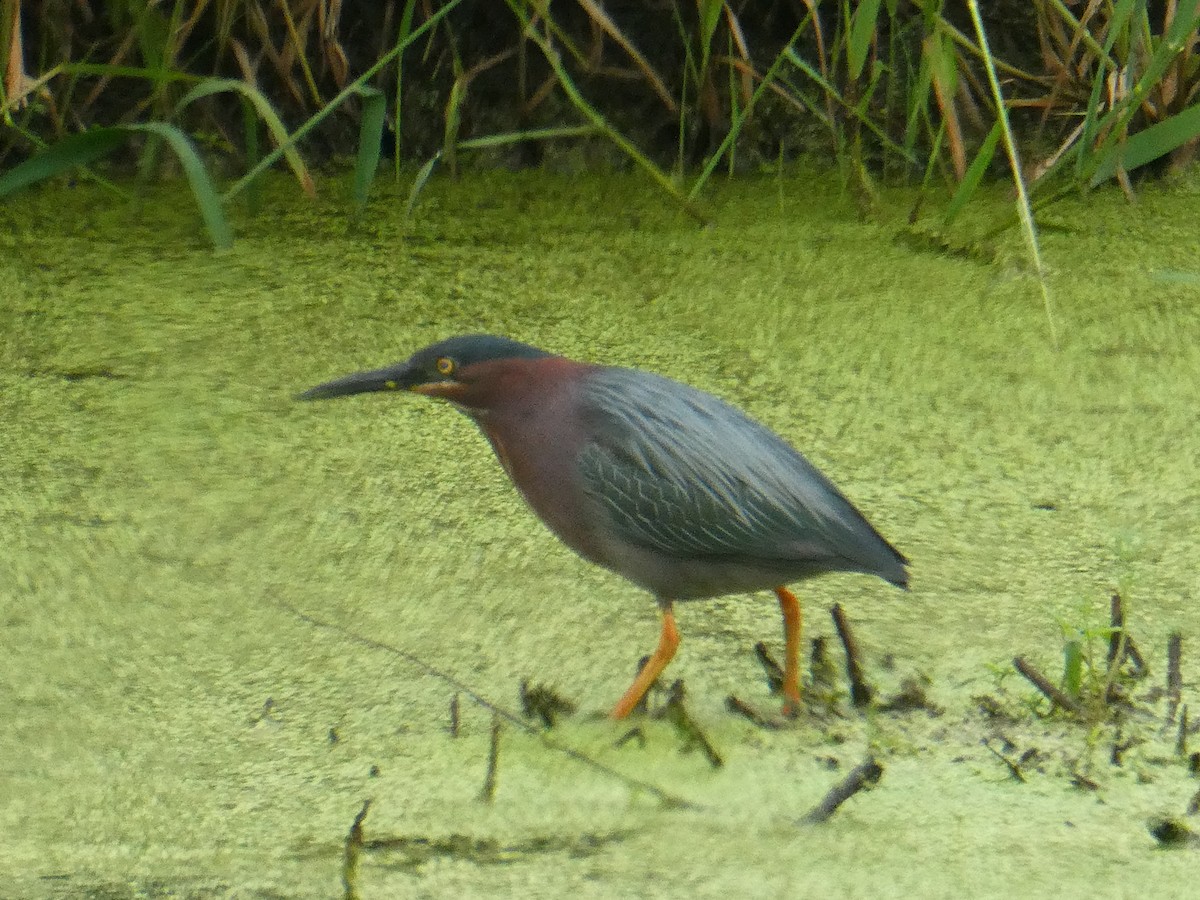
<point>1081,94</point>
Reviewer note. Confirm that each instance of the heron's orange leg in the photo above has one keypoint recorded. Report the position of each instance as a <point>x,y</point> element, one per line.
<point>793,624</point>
<point>668,641</point>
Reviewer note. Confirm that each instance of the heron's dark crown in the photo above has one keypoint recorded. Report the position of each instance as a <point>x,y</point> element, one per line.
<point>468,349</point>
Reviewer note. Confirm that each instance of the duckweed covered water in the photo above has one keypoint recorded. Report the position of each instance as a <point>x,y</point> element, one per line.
<point>169,724</point>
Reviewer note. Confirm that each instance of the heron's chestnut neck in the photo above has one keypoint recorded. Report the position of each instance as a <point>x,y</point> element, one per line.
<point>501,384</point>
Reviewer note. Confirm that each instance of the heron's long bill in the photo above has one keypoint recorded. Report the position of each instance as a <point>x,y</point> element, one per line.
<point>400,377</point>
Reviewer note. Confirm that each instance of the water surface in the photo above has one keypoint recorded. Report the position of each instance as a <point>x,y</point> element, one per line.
<point>164,504</point>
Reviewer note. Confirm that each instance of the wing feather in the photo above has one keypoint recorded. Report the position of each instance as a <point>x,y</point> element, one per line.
<point>681,472</point>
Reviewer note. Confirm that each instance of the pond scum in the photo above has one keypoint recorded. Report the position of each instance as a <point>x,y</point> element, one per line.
<point>1103,710</point>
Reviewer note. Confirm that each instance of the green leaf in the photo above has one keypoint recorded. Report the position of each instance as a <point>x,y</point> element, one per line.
<point>532,134</point>
<point>1148,145</point>
<point>1115,28</point>
<point>69,153</point>
<point>1114,123</point>
<point>943,62</point>
<point>453,120</point>
<point>1073,669</point>
<point>202,187</point>
<point>329,108</point>
<point>918,101</point>
<point>495,140</point>
<point>82,149</point>
<point>974,173</point>
<point>250,132</point>
<point>269,118</point>
<point>370,144</point>
<point>402,41</point>
<point>419,182</point>
<point>862,29</point>
<point>710,17</point>
<point>162,76</point>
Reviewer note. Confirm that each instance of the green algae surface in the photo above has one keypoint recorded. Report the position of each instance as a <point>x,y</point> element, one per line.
<point>172,726</point>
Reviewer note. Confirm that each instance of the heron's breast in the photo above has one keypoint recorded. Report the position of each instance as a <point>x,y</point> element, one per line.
<point>543,467</point>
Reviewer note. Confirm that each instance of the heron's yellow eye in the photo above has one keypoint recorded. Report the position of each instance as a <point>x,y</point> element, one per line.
<point>445,365</point>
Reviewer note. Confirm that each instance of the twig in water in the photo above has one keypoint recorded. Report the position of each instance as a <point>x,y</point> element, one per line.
<point>633,734</point>
<point>1181,743</point>
<point>671,800</point>
<point>1039,681</point>
<point>488,793</point>
<point>544,702</point>
<point>1116,635</point>
<point>1174,674</point>
<point>1081,781</point>
<point>745,710</point>
<point>675,713</point>
<point>1134,656</point>
<point>821,669</point>
<point>864,775</point>
<point>351,852</point>
<point>771,668</point>
<point>1120,643</point>
<point>860,691</point>
<point>1121,744</point>
<point>267,715</point>
<point>1014,769</point>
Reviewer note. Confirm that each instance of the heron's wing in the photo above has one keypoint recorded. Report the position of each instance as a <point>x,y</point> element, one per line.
<point>684,473</point>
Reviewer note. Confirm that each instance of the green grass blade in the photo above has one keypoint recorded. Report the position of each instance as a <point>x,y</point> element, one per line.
<point>350,89</point>
<point>830,91</point>
<point>1092,117</point>
<point>862,29</point>
<point>1115,122</point>
<point>494,140</point>
<point>918,103</point>
<point>269,117</point>
<point>401,41</point>
<point>1024,211</point>
<point>710,16</point>
<point>974,174</point>
<point>1146,146</point>
<point>597,119</point>
<point>67,154</point>
<point>419,183</point>
<point>739,119</point>
<point>81,149</point>
<point>250,138</point>
<point>104,70</point>
<point>1073,669</point>
<point>203,190</point>
<point>533,134</point>
<point>453,121</point>
<point>370,144</point>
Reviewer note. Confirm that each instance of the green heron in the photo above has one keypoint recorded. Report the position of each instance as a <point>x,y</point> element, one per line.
<point>668,486</point>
